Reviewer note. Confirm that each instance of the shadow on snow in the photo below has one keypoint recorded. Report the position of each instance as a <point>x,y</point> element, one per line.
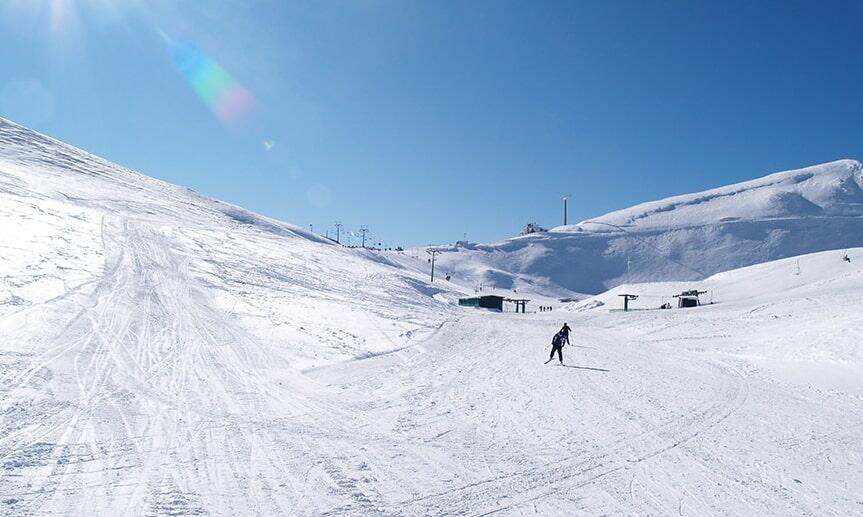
<point>587,368</point>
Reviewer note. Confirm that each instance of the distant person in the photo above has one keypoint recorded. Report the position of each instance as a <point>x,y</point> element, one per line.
<point>557,343</point>
<point>565,329</point>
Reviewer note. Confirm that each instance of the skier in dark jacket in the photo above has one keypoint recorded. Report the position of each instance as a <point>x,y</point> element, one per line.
<point>557,343</point>
<point>565,329</point>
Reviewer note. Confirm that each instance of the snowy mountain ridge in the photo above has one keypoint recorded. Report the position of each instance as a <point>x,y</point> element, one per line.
<point>687,237</point>
<point>25,153</point>
<point>830,189</point>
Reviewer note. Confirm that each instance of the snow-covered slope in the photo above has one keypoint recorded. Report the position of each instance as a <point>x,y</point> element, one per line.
<point>134,308</point>
<point>70,217</point>
<point>832,189</point>
<point>751,406</point>
<point>166,354</point>
<point>684,237</point>
<point>798,315</point>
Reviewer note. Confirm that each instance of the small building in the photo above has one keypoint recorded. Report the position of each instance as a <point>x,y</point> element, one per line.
<point>689,298</point>
<point>469,302</point>
<point>532,228</point>
<point>485,302</point>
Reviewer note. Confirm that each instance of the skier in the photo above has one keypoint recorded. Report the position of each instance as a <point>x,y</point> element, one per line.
<point>557,343</point>
<point>565,329</point>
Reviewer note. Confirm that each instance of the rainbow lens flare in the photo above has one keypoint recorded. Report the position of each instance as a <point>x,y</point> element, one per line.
<point>225,97</point>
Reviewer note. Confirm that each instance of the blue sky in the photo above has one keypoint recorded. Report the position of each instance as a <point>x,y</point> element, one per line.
<point>429,120</point>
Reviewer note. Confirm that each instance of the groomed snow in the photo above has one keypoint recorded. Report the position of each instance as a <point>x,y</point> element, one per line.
<point>163,353</point>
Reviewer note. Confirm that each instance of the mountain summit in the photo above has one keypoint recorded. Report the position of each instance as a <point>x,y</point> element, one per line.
<point>829,190</point>
<point>685,237</point>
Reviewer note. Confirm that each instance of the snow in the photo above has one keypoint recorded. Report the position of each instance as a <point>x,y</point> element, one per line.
<point>831,189</point>
<point>164,353</point>
<point>687,237</point>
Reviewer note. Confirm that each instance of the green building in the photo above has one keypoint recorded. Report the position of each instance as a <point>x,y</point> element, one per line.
<point>486,302</point>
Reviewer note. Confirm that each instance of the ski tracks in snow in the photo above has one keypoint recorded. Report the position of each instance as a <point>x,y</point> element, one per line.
<point>649,429</point>
<point>507,475</point>
<point>148,401</point>
<point>144,397</point>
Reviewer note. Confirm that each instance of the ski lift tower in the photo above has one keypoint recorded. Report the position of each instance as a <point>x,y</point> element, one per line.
<point>433,252</point>
<point>520,304</point>
<point>626,299</point>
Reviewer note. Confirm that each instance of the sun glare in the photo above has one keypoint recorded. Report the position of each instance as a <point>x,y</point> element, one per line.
<point>61,11</point>
<point>63,18</point>
<point>37,18</point>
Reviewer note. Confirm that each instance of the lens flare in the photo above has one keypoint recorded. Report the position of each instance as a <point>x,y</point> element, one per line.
<point>225,97</point>
<point>60,10</point>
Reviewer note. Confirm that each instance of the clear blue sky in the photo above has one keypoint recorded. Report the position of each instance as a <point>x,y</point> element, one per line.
<point>428,120</point>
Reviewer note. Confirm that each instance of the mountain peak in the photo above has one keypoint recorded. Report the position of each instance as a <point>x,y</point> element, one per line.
<point>829,189</point>
<point>685,237</point>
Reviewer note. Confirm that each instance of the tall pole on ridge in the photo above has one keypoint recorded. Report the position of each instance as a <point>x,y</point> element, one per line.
<point>564,210</point>
<point>338,231</point>
<point>364,229</point>
<point>432,252</point>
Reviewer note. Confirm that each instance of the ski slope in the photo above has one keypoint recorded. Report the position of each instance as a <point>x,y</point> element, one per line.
<point>167,354</point>
<point>688,237</point>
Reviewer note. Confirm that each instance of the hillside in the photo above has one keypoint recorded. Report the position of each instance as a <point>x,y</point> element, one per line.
<point>790,322</point>
<point>76,224</point>
<point>162,353</point>
<point>683,237</point>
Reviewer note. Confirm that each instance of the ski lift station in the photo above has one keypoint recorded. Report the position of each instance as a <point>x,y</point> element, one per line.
<point>685,299</point>
<point>689,298</point>
<point>494,302</point>
<point>485,302</point>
